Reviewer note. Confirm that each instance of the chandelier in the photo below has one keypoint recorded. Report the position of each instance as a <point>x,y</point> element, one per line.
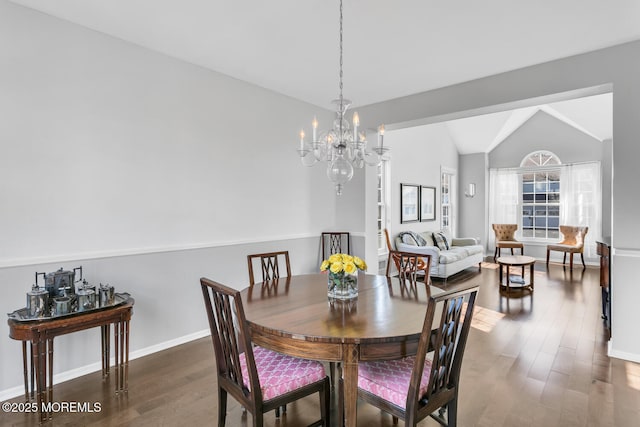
<point>344,149</point>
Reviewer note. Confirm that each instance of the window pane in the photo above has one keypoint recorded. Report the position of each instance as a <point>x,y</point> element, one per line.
<point>541,198</point>
<point>540,234</point>
<point>527,210</point>
<point>541,222</point>
<point>554,197</point>
<point>527,197</point>
<point>554,234</point>
<point>527,221</point>
<point>541,210</point>
<point>541,187</point>
<point>554,222</point>
<point>554,210</point>
<point>527,187</point>
<point>554,186</point>
<point>527,232</point>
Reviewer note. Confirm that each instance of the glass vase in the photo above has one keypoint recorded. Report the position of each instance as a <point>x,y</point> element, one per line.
<point>342,286</point>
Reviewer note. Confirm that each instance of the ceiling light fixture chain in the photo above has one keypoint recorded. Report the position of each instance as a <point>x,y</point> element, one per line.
<point>341,148</point>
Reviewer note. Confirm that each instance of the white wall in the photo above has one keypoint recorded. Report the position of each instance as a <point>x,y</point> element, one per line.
<point>417,155</point>
<point>147,171</point>
<point>617,67</point>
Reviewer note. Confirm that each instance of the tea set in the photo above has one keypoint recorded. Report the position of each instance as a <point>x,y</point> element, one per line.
<point>60,296</point>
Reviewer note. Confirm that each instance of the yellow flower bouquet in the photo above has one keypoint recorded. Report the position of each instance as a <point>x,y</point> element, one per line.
<point>343,275</point>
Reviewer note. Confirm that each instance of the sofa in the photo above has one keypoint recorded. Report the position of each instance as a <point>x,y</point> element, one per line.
<point>449,255</point>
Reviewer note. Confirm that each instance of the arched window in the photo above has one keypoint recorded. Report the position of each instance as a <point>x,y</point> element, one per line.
<point>541,195</point>
<point>540,158</point>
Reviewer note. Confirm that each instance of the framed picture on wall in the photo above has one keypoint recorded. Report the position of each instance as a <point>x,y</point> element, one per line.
<point>427,203</point>
<point>409,203</point>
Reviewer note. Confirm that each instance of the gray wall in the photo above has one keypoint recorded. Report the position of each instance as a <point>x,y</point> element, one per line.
<point>616,68</point>
<point>110,147</point>
<point>150,173</point>
<point>545,132</point>
<point>473,169</point>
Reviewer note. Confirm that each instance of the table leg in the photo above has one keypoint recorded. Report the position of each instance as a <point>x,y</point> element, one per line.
<point>39,359</point>
<point>33,371</point>
<point>126,360</point>
<point>350,377</point>
<point>116,342</point>
<point>25,371</point>
<point>508,275</point>
<point>106,350</point>
<point>50,368</point>
<point>121,370</point>
<point>531,275</point>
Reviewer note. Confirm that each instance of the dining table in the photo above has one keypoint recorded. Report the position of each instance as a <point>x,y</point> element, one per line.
<point>295,316</point>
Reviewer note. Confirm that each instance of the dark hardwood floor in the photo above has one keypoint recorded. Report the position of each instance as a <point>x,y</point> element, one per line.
<point>531,360</point>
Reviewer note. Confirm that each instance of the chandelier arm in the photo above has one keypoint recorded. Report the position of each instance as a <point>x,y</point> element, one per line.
<point>340,149</point>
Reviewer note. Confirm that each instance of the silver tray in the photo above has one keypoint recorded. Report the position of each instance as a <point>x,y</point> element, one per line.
<point>22,314</point>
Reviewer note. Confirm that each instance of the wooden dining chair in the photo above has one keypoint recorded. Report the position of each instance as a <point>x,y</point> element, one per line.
<point>261,380</point>
<point>411,267</point>
<point>269,264</point>
<point>393,257</point>
<point>415,387</point>
<point>335,242</point>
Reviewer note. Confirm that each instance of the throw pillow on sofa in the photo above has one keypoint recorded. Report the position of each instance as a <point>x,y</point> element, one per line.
<point>441,241</point>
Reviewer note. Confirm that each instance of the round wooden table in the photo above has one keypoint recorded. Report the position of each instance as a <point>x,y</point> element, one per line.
<point>294,316</point>
<point>510,282</point>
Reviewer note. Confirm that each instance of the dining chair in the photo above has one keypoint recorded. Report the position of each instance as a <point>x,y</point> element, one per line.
<point>411,266</point>
<point>422,265</point>
<point>335,242</point>
<point>572,243</point>
<point>415,387</point>
<point>269,264</point>
<point>261,380</point>
<point>505,238</point>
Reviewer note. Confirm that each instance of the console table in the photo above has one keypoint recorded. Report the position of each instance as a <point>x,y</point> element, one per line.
<point>40,333</point>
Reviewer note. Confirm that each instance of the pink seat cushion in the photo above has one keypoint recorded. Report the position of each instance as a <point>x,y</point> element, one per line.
<point>390,379</point>
<point>280,374</point>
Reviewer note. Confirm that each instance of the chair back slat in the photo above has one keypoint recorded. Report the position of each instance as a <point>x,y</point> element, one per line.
<point>229,334</point>
<point>447,343</point>
<point>335,242</point>
<point>270,268</point>
<point>408,265</point>
<point>269,265</point>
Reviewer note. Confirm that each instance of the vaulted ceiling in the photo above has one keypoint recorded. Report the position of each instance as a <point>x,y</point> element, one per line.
<point>391,48</point>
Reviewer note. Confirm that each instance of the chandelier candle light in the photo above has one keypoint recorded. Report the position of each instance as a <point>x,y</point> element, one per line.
<point>342,148</point>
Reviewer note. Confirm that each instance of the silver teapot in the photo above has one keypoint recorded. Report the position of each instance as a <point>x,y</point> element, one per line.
<point>61,282</point>
<point>37,302</point>
<point>86,297</point>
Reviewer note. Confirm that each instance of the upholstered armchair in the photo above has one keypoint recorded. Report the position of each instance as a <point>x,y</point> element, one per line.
<point>573,243</point>
<point>505,238</point>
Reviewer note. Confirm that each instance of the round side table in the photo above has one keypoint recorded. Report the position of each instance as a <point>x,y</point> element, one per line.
<point>508,281</point>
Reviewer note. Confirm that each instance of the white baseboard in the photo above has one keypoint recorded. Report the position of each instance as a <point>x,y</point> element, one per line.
<point>94,367</point>
<point>631,357</point>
